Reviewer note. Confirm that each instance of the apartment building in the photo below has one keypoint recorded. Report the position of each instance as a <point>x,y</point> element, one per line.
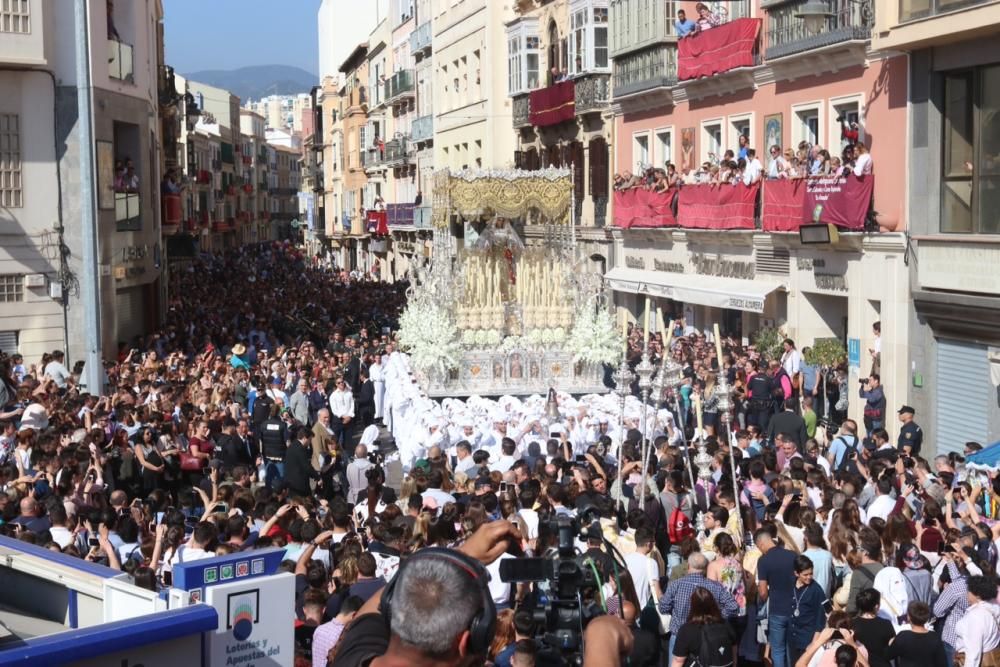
<point>255,198</point>
<point>40,174</point>
<point>471,106</point>
<point>793,72</point>
<point>953,213</point>
<point>559,83</point>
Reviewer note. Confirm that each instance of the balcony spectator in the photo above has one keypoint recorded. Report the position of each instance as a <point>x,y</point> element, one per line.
<point>849,131</point>
<point>836,166</point>
<point>171,183</point>
<point>753,170</point>
<point>673,178</point>
<point>706,18</point>
<point>778,166</point>
<point>863,163</point>
<point>119,176</point>
<point>815,161</point>
<point>744,146</point>
<point>683,25</point>
<point>419,199</point>
<point>112,30</point>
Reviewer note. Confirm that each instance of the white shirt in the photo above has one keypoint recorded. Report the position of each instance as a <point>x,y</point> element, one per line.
<point>503,464</point>
<point>862,167</point>
<point>465,464</point>
<point>57,372</point>
<point>439,496</point>
<point>61,535</point>
<point>752,172</point>
<point>499,590</point>
<point>776,167</point>
<point>639,568</point>
<point>342,404</point>
<point>978,633</point>
<point>791,361</point>
<point>881,507</point>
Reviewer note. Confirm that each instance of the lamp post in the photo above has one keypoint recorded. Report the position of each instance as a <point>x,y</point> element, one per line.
<point>815,14</point>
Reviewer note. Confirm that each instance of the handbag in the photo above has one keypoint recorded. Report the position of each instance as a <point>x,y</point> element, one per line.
<point>190,463</point>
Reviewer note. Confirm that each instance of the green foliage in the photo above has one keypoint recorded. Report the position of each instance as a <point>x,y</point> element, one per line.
<point>826,352</point>
<point>768,342</point>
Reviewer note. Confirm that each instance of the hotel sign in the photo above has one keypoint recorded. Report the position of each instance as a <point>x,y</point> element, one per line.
<point>708,265</point>
<point>635,262</point>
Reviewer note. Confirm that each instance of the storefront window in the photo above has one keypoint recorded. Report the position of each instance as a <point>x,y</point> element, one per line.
<point>970,195</point>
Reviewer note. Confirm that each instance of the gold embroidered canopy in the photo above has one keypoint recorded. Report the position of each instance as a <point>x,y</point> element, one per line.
<point>508,193</point>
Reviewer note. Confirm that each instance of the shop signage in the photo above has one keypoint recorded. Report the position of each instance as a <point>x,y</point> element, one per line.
<point>134,253</point>
<point>405,247</point>
<point>708,265</point>
<point>672,267</point>
<point>827,282</point>
<point>635,262</point>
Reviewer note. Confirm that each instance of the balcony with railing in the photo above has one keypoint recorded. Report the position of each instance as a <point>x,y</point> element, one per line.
<point>422,216</point>
<point>645,70</point>
<point>593,93</point>
<point>396,152</point>
<point>421,38</point>
<point>521,106</point>
<point>121,61</point>
<point>789,32</point>
<point>728,46</point>
<point>553,104</point>
<point>172,213</point>
<point>422,129</point>
<point>128,211</point>
<point>399,87</point>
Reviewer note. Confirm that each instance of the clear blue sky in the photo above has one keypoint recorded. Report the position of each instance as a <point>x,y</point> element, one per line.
<point>228,34</point>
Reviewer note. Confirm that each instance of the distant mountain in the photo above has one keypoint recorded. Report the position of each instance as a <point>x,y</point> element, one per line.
<point>253,83</point>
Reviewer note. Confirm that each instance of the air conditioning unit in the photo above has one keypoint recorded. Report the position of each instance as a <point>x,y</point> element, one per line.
<point>35,280</point>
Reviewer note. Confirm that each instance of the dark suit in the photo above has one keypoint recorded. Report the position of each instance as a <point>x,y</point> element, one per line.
<point>352,374</point>
<point>790,423</point>
<point>299,469</point>
<point>365,409</point>
<point>238,452</point>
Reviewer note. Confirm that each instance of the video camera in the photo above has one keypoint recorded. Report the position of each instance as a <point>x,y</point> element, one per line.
<point>570,601</point>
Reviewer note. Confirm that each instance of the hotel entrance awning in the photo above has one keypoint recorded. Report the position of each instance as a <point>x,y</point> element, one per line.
<point>731,293</point>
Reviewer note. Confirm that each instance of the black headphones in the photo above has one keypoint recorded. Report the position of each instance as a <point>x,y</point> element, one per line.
<point>483,623</point>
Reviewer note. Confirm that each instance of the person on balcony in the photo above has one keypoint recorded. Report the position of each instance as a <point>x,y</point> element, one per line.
<point>683,25</point>
<point>744,144</point>
<point>753,169</point>
<point>170,184</point>
<point>706,18</point>
<point>863,163</point>
<point>778,166</point>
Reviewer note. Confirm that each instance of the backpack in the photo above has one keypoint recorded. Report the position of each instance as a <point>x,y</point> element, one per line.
<point>715,647</point>
<point>262,409</point>
<point>846,458</point>
<point>891,583</point>
<point>680,525</point>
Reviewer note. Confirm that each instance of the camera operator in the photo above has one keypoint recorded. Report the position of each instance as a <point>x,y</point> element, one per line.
<point>871,390</point>
<point>438,612</point>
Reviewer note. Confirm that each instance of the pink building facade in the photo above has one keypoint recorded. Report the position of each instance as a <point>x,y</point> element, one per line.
<point>776,74</point>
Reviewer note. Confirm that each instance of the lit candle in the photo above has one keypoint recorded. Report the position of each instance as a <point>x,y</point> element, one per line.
<point>670,336</point>
<point>718,345</point>
<point>697,408</point>
<point>645,329</point>
<point>659,320</point>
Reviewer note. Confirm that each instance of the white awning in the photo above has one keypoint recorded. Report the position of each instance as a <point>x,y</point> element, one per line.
<point>731,293</point>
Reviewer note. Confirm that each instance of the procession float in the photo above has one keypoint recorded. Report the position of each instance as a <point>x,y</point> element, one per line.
<point>490,314</point>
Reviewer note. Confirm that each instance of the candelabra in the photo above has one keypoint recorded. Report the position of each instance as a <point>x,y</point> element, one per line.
<point>623,387</point>
<point>723,394</point>
<point>704,464</point>
<point>645,370</point>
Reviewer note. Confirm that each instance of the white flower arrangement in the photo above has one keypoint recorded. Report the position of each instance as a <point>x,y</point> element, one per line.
<point>511,343</point>
<point>594,339</point>
<point>481,337</point>
<point>558,335</point>
<point>546,336</point>
<point>469,338</point>
<point>493,337</point>
<point>535,337</point>
<point>428,332</point>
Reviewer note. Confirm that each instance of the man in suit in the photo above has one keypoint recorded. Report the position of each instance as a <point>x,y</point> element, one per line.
<point>352,372</point>
<point>788,422</point>
<point>366,399</point>
<point>239,446</point>
<point>298,468</point>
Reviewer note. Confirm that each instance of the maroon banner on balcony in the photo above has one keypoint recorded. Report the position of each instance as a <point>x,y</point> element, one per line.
<point>172,210</point>
<point>553,104</point>
<point>842,201</point>
<point>717,206</point>
<point>717,50</point>
<point>377,222</point>
<point>643,208</point>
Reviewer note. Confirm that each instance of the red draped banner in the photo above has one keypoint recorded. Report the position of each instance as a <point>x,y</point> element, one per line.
<point>718,49</point>
<point>553,104</point>
<point>717,206</point>
<point>644,208</point>
<point>839,200</point>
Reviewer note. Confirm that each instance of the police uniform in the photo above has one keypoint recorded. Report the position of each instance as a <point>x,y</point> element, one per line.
<point>910,435</point>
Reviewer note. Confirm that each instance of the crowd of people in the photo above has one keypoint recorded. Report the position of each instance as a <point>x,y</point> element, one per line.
<point>284,417</point>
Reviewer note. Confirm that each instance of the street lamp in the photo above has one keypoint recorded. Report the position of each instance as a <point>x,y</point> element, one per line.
<point>815,14</point>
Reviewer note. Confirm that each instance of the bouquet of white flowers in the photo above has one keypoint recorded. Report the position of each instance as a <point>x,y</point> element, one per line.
<point>594,339</point>
<point>427,331</point>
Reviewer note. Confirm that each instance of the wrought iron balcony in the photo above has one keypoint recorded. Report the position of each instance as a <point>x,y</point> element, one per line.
<point>593,93</point>
<point>521,106</point>
<point>421,38</point>
<point>121,63</point>
<point>644,70</point>
<point>849,20</point>
<point>396,152</point>
<point>422,129</point>
<point>399,87</point>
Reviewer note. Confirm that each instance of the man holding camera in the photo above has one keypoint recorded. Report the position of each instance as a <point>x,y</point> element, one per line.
<point>871,390</point>
<point>437,611</point>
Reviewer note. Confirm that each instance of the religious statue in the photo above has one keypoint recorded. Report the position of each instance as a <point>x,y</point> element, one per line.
<point>516,368</point>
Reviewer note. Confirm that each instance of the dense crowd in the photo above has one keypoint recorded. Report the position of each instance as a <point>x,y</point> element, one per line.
<point>255,419</point>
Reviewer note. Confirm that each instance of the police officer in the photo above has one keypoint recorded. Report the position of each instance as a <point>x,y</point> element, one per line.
<point>759,397</point>
<point>910,436</point>
<point>273,445</point>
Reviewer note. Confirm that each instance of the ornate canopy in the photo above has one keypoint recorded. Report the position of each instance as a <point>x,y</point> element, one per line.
<point>509,193</point>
